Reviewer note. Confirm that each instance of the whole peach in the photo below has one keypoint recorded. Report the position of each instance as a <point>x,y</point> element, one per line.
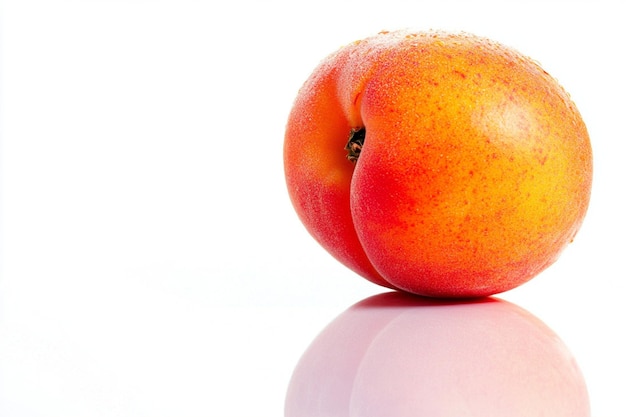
<point>440,164</point>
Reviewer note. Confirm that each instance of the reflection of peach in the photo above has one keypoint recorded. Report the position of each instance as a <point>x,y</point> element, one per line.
<point>397,355</point>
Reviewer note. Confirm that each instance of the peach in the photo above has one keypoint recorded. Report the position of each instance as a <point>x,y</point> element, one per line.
<point>441,164</point>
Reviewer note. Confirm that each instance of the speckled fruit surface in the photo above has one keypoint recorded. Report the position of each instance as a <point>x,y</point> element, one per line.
<point>440,164</point>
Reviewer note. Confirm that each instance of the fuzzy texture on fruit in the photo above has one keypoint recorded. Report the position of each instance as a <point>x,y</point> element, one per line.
<point>475,170</point>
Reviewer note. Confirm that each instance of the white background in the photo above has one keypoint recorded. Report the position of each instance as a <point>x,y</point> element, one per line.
<point>152,264</point>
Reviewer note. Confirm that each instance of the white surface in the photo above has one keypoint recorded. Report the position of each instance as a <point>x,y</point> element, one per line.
<point>152,264</point>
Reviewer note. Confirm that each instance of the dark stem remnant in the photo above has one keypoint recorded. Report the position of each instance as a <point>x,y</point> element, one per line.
<point>355,143</point>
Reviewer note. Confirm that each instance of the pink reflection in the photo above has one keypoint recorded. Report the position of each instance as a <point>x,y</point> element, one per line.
<point>395,355</point>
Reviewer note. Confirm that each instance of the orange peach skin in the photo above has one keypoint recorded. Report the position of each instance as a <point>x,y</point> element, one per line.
<point>474,175</point>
